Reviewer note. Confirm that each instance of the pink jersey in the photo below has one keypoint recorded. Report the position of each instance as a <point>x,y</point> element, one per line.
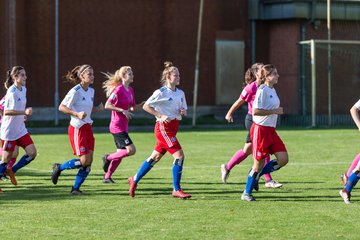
<point>2,106</point>
<point>248,95</point>
<point>123,99</point>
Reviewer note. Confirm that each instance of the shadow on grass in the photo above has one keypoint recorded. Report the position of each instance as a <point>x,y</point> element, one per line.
<point>38,186</point>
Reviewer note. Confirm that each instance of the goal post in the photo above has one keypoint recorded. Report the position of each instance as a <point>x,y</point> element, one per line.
<point>315,44</point>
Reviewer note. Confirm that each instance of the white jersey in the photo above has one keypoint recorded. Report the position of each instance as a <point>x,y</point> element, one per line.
<point>266,99</point>
<point>168,102</point>
<point>13,127</point>
<point>79,100</point>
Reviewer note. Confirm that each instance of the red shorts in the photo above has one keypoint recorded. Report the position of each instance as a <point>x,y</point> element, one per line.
<point>82,139</point>
<point>265,141</point>
<point>23,142</point>
<point>165,134</point>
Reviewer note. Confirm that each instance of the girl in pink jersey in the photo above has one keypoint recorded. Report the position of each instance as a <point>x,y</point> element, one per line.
<point>252,80</point>
<point>13,129</point>
<point>16,150</point>
<point>121,102</point>
<point>79,104</point>
<point>264,139</point>
<point>168,105</point>
<point>352,176</point>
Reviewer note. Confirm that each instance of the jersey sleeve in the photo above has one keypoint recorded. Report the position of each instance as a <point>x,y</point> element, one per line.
<point>10,101</point>
<point>155,98</point>
<point>260,97</point>
<point>70,98</point>
<point>357,104</point>
<point>113,98</point>
<point>245,94</point>
<point>2,104</point>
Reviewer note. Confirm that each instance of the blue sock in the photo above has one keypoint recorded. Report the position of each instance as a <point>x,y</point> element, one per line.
<point>81,176</point>
<point>71,164</point>
<point>2,168</point>
<point>352,181</point>
<point>24,160</point>
<point>270,167</point>
<point>144,169</point>
<point>177,172</point>
<point>251,181</point>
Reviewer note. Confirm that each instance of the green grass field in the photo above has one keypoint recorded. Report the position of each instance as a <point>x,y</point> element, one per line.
<point>307,207</point>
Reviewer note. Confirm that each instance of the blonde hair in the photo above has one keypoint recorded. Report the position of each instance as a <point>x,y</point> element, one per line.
<point>168,69</point>
<point>74,75</point>
<point>113,80</point>
<point>11,74</point>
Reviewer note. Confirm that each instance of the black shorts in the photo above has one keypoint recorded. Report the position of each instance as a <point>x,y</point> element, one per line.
<point>248,123</point>
<point>122,140</point>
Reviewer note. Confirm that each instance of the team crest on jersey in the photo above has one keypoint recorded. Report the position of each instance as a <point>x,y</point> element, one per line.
<point>82,149</point>
<point>127,141</point>
<point>173,139</point>
<point>8,145</point>
<point>259,154</point>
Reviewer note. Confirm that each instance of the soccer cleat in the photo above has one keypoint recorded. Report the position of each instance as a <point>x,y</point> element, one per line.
<point>76,191</point>
<point>344,178</point>
<point>346,196</point>
<point>108,180</point>
<point>224,173</point>
<point>180,194</point>
<point>56,173</point>
<point>4,178</point>
<point>105,163</point>
<point>11,175</point>
<point>133,186</point>
<point>247,197</point>
<point>273,184</point>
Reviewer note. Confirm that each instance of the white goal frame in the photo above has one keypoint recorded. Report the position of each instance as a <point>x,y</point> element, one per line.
<point>312,43</point>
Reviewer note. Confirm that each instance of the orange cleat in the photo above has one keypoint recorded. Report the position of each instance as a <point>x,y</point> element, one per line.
<point>133,186</point>
<point>11,175</point>
<point>180,194</point>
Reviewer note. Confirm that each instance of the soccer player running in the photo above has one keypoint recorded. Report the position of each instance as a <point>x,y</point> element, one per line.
<point>168,105</point>
<point>264,138</point>
<point>79,104</point>
<point>16,150</point>
<point>13,130</point>
<point>253,81</point>
<point>121,102</point>
<point>354,170</point>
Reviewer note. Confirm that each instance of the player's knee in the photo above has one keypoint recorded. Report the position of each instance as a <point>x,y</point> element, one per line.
<point>131,151</point>
<point>32,154</point>
<point>283,161</point>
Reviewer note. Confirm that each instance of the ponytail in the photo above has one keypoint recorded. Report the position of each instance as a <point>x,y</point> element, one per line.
<point>10,74</point>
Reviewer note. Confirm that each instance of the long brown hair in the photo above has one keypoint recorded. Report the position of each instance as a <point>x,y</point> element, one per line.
<point>74,75</point>
<point>11,74</point>
<point>266,70</point>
